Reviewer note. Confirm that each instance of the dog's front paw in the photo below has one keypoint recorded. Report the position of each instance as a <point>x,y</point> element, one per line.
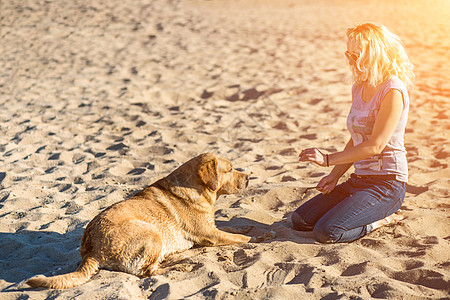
<point>269,235</point>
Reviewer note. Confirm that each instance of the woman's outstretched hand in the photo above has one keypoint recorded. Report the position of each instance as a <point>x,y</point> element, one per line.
<point>313,155</point>
<point>327,183</point>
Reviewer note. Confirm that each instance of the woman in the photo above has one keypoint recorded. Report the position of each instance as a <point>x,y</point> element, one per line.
<point>377,119</point>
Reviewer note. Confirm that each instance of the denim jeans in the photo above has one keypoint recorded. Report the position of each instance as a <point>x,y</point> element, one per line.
<point>346,213</point>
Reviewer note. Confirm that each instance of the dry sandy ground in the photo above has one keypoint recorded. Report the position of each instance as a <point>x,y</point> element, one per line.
<point>101,98</point>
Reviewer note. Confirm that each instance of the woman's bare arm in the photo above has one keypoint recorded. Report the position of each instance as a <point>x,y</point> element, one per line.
<point>387,119</point>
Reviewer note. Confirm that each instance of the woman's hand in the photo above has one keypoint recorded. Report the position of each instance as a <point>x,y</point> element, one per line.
<point>314,155</point>
<point>327,184</point>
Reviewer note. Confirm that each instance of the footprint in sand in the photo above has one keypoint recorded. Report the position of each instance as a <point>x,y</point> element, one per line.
<point>422,246</point>
<point>274,277</point>
<point>413,264</point>
<point>355,269</point>
<point>304,275</point>
<point>240,258</point>
<point>424,277</point>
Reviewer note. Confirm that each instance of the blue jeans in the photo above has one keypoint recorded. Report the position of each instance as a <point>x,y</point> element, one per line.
<point>346,213</point>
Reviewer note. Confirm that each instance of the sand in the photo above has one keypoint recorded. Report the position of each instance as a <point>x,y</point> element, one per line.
<point>99,99</point>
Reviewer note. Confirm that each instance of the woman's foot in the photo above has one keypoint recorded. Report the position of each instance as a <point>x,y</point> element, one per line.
<point>392,219</point>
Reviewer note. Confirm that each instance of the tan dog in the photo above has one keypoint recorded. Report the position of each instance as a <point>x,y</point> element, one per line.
<point>171,215</point>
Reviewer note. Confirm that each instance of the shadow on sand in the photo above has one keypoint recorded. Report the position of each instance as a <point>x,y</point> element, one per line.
<point>29,253</point>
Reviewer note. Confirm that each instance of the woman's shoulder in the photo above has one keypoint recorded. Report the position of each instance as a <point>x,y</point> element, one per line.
<point>394,82</point>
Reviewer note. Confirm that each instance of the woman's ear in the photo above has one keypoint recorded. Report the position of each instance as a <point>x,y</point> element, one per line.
<point>209,174</point>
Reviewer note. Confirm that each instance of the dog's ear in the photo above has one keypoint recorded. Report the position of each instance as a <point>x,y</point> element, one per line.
<point>209,174</point>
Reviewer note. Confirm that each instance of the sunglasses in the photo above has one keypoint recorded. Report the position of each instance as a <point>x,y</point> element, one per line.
<point>351,56</point>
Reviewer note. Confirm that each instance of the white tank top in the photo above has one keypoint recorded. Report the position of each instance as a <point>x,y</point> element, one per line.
<point>360,121</point>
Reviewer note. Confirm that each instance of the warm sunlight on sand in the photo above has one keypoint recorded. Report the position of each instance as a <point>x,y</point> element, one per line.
<point>98,99</point>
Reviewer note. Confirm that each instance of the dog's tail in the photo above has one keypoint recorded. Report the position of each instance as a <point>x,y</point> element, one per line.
<point>88,267</point>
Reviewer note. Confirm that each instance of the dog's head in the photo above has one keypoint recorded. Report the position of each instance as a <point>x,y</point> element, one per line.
<point>218,175</point>
<point>205,174</point>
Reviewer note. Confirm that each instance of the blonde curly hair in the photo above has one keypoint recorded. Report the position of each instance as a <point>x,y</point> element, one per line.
<point>376,54</point>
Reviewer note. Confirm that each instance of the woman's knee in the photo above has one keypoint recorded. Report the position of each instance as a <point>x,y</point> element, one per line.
<point>299,223</point>
<point>325,234</point>
<point>322,232</point>
<point>323,237</point>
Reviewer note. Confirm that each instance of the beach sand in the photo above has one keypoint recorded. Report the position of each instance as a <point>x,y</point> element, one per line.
<point>99,99</point>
